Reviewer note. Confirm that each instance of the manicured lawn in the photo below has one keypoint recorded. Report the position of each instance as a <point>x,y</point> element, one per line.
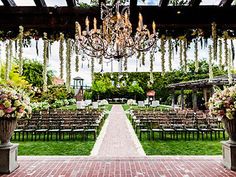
<point>161,107</point>
<point>73,107</point>
<point>55,147</point>
<point>182,147</point>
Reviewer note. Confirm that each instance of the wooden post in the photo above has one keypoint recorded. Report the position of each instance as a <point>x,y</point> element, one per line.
<point>205,96</point>
<point>173,99</point>
<point>182,98</point>
<point>194,98</point>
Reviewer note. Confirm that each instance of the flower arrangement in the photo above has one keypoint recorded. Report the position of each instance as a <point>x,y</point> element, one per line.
<point>13,104</point>
<point>223,103</point>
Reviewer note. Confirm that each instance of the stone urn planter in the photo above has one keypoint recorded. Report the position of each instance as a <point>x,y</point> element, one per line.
<point>14,105</point>
<point>7,127</point>
<point>223,104</point>
<point>230,127</point>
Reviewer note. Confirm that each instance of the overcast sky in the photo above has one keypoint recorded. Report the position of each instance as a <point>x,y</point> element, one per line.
<point>84,72</point>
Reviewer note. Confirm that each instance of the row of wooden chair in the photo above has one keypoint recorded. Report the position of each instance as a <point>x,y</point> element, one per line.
<point>176,124</point>
<point>58,124</point>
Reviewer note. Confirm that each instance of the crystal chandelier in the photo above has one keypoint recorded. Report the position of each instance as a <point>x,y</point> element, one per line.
<point>115,39</point>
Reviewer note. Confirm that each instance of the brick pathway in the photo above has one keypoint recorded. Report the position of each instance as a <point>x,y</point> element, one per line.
<point>118,138</point>
<point>160,166</point>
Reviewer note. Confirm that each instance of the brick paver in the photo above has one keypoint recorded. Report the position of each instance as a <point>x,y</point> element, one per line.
<point>160,166</point>
<point>119,139</point>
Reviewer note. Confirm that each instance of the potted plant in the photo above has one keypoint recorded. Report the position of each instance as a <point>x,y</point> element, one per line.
<point>13,105</point>
<point>223,104</point>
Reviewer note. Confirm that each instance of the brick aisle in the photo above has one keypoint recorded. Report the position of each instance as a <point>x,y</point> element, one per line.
<point>160,166</point>
<point>119,139</point>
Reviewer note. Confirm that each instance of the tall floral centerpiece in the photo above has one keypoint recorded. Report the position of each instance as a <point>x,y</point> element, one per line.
<point>223,104</point>
<point>13,105</point>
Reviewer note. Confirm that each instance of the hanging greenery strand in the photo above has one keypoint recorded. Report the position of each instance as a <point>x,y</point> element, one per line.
<point>61,51</point>
<point>230,67</point>
<point>92,67</point>
<point>68,63</point>
<point>196,55</point>
<point>214,38</point>
<point>7,62</point>
<point>185,53</point>
<point>45,61</point>
<point>232,53</point>
<point>225,36</point>
<point>163,54</point>
<point>77,27</point>
<point>16,43</point>
<point>152,58</point>
<point>143,58</point>
<point>10,54</point>
<point>181,53</point>
<point>20,43</point>
<point>210,63</point>
<point>220,54</point>
<point>170,49</point>
<point>126,64</point>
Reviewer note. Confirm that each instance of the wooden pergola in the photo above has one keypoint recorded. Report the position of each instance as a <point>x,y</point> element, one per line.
<point>170,19</point>
<point>204,85</point>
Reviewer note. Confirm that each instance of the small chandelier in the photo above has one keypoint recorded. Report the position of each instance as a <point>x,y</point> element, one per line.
<point>115,40</point>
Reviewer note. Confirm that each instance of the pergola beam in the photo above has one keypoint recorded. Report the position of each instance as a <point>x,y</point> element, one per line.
<point>40,3</point>
<point>164,3</point>
<point>194,3</point>
<point>225,3</point>
<point>9,3</point>
<point>62,19</point>
<point>71,3</point>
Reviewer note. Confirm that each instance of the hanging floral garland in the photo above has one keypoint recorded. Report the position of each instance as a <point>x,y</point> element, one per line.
<point>210,63</point>
<point>170,49</point>
<point>68,63</point>
<point>163,54</point>
<point>181,53</point>
<point>126,64</point>
<point>61,51</point>
<point>214,38</point>
<point>225,36</point>
<point>196,55</point>
<point>220,55</point>
<point>16,43</point>
<point>20,43</point>
<point>77,33</point>
<point>45,61</point>
<point>185,53</point>
<point>92,67</point>
<point>230,79</point>
<point>7,62</point>
<point>152,58</point>
<point>143,58</point>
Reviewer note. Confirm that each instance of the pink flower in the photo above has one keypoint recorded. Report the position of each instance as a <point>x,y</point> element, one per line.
<point>21,110</point>
<point>9,110</point>
<point>2,107</point>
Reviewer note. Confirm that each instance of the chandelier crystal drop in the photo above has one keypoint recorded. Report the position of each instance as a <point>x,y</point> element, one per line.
<point>115,39</point>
